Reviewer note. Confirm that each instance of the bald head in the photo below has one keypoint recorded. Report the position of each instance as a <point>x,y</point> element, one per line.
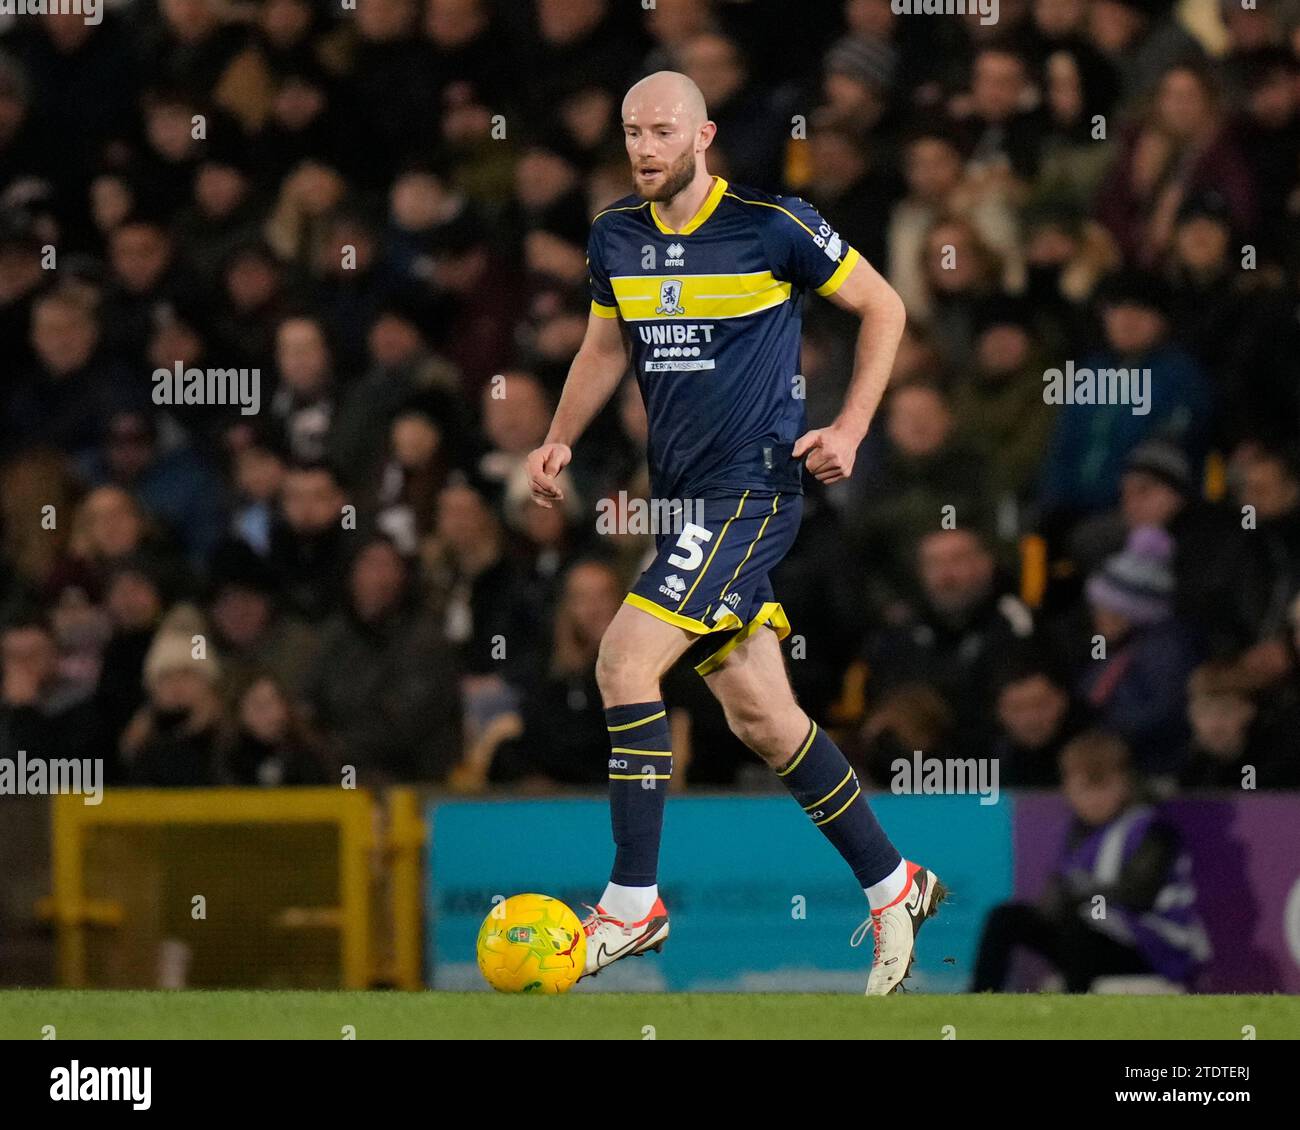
<point>666,128</point>
<point>663,96</point>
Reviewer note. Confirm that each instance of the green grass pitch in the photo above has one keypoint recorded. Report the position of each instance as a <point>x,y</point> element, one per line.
<point>629,1016</point>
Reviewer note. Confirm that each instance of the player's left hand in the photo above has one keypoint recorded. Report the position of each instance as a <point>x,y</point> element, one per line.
<point>831,453</point>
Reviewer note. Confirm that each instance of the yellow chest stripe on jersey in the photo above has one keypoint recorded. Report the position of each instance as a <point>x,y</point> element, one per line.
<point>651,297</point>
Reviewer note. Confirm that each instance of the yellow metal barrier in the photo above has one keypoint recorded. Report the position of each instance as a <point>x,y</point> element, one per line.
<point>404,839</point>
<point>349,811</point>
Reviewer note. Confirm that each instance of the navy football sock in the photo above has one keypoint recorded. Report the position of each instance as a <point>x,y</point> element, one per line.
<point>820,778</point>
<point>640,766</point>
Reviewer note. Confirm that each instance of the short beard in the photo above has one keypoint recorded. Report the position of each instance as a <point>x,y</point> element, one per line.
<point>676,179</point>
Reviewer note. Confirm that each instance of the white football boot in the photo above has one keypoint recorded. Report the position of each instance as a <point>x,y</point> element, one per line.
<point>894,929</point>
<point>609,938</point>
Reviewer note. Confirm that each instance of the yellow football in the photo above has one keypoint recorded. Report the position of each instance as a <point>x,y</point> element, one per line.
<point>531,944</point>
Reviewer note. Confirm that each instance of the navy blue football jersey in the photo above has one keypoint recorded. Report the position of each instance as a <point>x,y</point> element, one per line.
<point>713,312</point>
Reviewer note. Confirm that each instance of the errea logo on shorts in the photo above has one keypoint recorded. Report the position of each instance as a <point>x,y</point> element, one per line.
<point>672,587</point>
<point>676,256</point>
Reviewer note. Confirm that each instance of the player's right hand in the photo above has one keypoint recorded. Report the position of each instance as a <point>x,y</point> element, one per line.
<point>543,465</point>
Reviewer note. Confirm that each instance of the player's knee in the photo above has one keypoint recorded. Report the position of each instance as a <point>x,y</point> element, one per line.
<point>619,675</point>
<point>771,730</point>
<point>610,664</point>
<point>753,725</point>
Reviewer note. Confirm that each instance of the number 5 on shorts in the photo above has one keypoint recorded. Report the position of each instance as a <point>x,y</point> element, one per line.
<point>689,541</point>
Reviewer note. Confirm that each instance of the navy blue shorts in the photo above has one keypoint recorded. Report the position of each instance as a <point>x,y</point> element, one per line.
<point>713,575</point>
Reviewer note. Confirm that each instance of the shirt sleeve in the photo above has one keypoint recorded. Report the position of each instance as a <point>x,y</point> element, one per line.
<point>806,250</point>
<point>603,303</point>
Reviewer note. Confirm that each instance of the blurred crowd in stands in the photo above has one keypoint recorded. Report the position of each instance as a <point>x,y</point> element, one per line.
<point>384,211</point>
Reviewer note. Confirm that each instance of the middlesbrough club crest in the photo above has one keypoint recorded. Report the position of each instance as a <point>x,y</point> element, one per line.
<point>670,293</point>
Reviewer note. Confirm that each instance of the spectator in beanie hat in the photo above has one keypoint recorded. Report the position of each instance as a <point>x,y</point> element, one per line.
<point>1166,463</point>
<point>1137,583</point>
<point>1142,654</point>
<point>172,740</point>
<point>175,651</point>
<point>1217,567</point>
<point>859,76</point>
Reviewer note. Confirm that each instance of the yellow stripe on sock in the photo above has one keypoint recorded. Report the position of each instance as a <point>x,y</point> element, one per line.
<point>818,804</point>
<point>643,752</point>
<point>795,763</point>
<point>856,793</point>
<point>633,725</point>
<point>640,776</point>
